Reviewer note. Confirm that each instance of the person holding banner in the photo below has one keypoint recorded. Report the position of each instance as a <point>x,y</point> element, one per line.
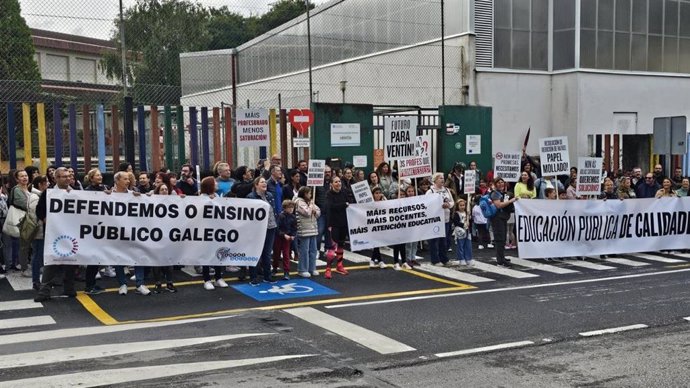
<point>608,192</point>
<point>261,193</point>
<point>336,217</point>
<point>187,184</point>
<point>410,247</point>
<point>94,180</point>
<point>625,190</point>
<point>307,230</point>
<point>499,222</point>
<point>438,247</point>
<point>376,258</point>
<point>208,190</point>
<point>164,271</point>
<point>684,186</point>
<point>51,272</point>
<point>666,189</point>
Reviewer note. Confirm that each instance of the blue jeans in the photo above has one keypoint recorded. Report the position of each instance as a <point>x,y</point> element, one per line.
<point>307,254</point>
<point>122,280</point>
<point>438,248</point>
<point>36,260</point>
<point>410,251</point>
<point>464,249</point>
<point>266,257</point>
<point>323,236</point>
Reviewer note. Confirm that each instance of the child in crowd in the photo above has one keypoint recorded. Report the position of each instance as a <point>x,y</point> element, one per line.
<point>461,232</point>
<point>410,247</point>
<point>481,224</point>
<point>376,258</point>
<point>287,230</point>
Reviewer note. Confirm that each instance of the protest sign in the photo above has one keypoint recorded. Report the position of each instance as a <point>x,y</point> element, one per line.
<point>94,228</point>
<point>422,145</point>
<point>470,181</point>
<point>399,137</point>
<point>252,128</point>
<point>594,227</point>
<point>415,167</point>
<point>316,172</point>
<point>507,166</point>
<point>362,192</point>
<point>395,221</point>
<point>589,176</point>
<point>553,156</point>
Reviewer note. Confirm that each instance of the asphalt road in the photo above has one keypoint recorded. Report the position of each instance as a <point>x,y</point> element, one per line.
<point>542,326</point>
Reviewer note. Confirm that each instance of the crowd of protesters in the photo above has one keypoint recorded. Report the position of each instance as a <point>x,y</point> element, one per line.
<point>307,224</point>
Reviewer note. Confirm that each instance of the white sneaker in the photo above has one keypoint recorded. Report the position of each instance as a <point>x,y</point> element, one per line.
<point>406,266</point>
<point>221,283</point>
<point>397,267</point>
<point>480,247</point>
<point>305,274</point>
<point>122,290</point>
<point>133,278</point>
<point>383,265</point>
<point>439,264</point>
<point>470,263</point>
<point>463,262</point>
<point>233,269</point>
<point>372,264</point>
<point>208,286</point>
<point>315,273</point>
<point>98,275</point>
<point>109,272</point>
<point>143,290</point>
<point>490,246</point>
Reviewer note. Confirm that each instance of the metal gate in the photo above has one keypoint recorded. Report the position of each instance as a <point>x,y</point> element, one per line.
<point>428,124</point>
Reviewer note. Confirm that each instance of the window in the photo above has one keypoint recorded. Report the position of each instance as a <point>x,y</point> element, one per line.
<point>564,35</point>
<point>56,68</point>
<point>521,34</point>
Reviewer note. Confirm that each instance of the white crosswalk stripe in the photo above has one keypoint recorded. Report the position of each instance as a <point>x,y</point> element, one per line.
<point>680,254</point>
<point>453,274</point>
<point>661,259</point>
<point>13,323</point>
<point>541,266</point>
<point>19,305</point>
<point>588,265</point>
<point>503,271</point>
<point>389,252</point>
<point>355,257</point>
<point>621,261</point>
<point>18,282</point>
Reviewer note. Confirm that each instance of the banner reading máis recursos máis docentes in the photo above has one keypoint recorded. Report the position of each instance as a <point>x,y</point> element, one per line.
<point>86,227</point>
<point>594,227</point>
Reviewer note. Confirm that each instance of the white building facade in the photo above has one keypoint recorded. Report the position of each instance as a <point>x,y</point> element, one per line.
<point>597,71</point>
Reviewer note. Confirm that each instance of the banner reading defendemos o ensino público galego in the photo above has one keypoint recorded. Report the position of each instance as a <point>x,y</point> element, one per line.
<point>87,227</point>
<point>396,221</point>
<point>594,227</point>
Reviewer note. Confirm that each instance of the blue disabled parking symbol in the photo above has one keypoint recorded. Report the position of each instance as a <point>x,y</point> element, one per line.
<point>284,289</point>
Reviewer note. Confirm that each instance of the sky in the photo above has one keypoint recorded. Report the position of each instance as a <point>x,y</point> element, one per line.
<point>95,18</point>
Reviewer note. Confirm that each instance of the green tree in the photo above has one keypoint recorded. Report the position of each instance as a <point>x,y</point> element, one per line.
<point>16,55</point>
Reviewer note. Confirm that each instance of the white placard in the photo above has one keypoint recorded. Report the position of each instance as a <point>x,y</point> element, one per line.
<point>473,144</point>
<point>300,142</point>
<point>399,137</point>
<point>253,129</point>
<point>95,228</point>
<point>316,172</point>
<point>395,221</point>
<point>507,166</point>
<point>470,181</point>
<point>422,146</point>
<point>553,156</point>
<point>359,161</point>
<point>345,135</point>
<point>596,227</point>
<point>362,192</point>
<point>415,167</point>
<point>589,176</point>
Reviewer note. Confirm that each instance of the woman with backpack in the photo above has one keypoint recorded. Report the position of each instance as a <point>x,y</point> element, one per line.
<point>481,224</point>
<point>499,222</point>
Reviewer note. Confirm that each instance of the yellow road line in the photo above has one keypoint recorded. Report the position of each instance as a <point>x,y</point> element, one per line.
<point>92,307</point>
<point>112,321</point>
<point>436,279</point>
<point>678,266</point>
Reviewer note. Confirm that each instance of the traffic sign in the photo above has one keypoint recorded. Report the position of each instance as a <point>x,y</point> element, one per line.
<point>301,119</point>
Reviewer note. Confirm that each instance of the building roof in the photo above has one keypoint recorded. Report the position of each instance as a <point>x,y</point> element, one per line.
<point>68,42</point>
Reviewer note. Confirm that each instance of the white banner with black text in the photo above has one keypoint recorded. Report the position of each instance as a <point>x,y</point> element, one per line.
<point>594,227</point>
<point>87,227</point>
<point>396,221</point>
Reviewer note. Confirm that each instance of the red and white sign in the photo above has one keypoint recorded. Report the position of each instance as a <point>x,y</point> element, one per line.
<point>507,166</point>
<point>415,167</point>
<point>301,120</point>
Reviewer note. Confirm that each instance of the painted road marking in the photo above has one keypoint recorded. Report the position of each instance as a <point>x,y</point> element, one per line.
<point>389,252</point>
<point>286,289</point>
<point>680,254</point>
<point>19,305</point>
<point>189,270</point>
<point>660,259</point>
<point>453,274</point>
<point>687,318</point>
<point>84,331</point>
<point>371,339</point>
<point>613,330</point>
<point>108,350</point>
<point>18,282</point>
<point>507,289</point>
<point>12,323</point>
<point>509,345</point>
<point>103,377</point>
<point>503,271</point>
<point>540,266</point>
<point>587,264</point>
<point>617,260</point>
<point>355,257</point>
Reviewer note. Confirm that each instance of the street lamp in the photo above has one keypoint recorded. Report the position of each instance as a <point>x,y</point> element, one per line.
<point>343,86</point>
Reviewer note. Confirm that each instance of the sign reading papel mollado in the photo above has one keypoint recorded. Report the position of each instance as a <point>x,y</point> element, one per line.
<point>86,227</point>
<point>397,221</point>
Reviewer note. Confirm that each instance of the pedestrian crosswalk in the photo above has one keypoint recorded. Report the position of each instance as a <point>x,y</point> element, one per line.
<point>35,320</point>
